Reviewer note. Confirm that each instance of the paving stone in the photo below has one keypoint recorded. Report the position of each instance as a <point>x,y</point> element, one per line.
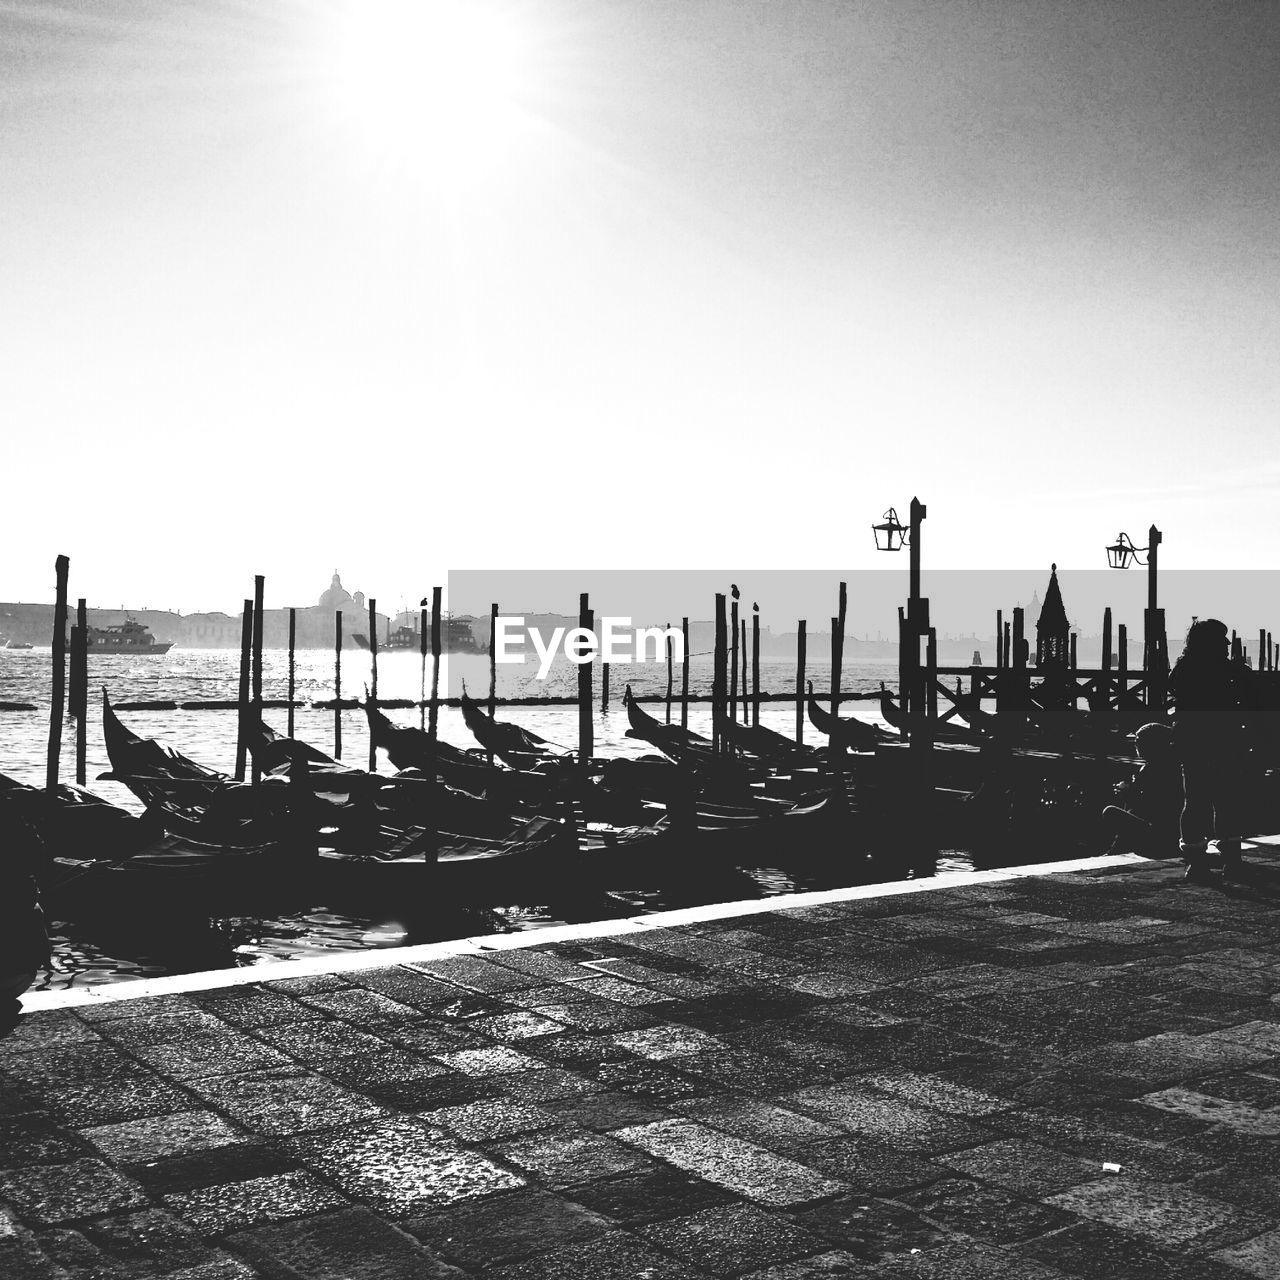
<point>1026,1167</point>
<point>609,1257</point>
<point>868,1112</point>
<point>835,1263</point>
<point>562,1158</point>
<point>195,1169</point>
<point>428,1037</point>
<point>476,974</point>
<point>666,1041</point>
<point>545,1084</point>
<point>1093,1249</point>
<point>507,1227</point>
<point>344,1244</point>
<point>49,1194</point>
<point>388,1067</point>
<point>401,1167</point>
<point>407,986</point>
<point>281,1103</point>
<point>1254,1087</point>
<point>209,1053</point>
<point>230,1206</point>
<point>655,1081</point>
<point>651,1195</point>
<point>34,1139</point>
<point>590,1014</point>
<point>734,1239</point>
<point>872,1166</point>
<point>604,1111</point>
<point>871,1230</point>
<point>542,965</point>
<point>491,1119</point>
<point>1171,1215</point>
<point>319,1042</point>
<point>154,1138</point>
<point>1200,1106</point>
<point>769,1126</point>
<point>251,1007</point>
<point>752,1171</point>
<point>520,1024</point>
<point>146,1007</point>
<point>488,1062</point>
<point>932,1091</point>
<point>135,1033</point>
<point>452,1089</point>
<point>152,1239</point>
<point>355,1004</point>
<point>985,1213</point>
<point>310,984</point>
<point>1257,1192</point>
<point>43,1031</point>
<point>1257,1257</point>
<point>623,992</point>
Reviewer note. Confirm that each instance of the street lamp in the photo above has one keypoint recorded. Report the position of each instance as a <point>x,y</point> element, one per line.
<point>1155,657</point>
<point>1122,552</point>
<point>891,534</point>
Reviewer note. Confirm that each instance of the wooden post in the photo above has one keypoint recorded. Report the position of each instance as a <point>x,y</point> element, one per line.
<point>255,722</point>
<point>684,673</point>
<point>801,642</point>
<point>586,737</point>
<point>1072,660</point>
<point>604,689</point>
<point>1008,645</point>
<point>931,675</point>
<point>80,699</point>
<point>1262,648</point>
<point>746,702</point>
<point>422,684</point>
<point>1122,676</point>
<point>242,719</point>
<point>733,660</point>
<point>373,676</point>
<point>493,661</point>
<point>719,684</point>
<point>835,746</point>
<point>837,649</point>
<point>57,703</point>
<point>905,644</point>
<point>999,640</point>
<point>671,667</point>
<point>433,723</point>
<point>755,665</point>
<point>293,683</point>
<point>337,684</point>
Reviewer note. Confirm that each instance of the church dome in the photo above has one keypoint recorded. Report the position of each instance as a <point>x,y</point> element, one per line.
<point>336,597</point>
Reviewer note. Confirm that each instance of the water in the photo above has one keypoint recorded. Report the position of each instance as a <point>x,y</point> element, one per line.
<point>97,954</point>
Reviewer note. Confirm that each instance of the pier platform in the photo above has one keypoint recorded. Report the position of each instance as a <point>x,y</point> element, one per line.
<point>1016,1075</point>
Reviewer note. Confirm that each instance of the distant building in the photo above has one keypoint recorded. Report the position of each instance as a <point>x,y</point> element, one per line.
<point>1053,631</point>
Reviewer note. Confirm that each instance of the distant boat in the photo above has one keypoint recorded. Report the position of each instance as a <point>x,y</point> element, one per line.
<point>977,658</point>
<point>16,644</point>
<point>455,637</point>
<point>129,637</point>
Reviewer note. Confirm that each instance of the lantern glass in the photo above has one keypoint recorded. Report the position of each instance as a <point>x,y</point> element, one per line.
<point>1118,555</point>
<point>891,535</point>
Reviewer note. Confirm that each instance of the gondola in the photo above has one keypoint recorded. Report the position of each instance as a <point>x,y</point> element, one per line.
<point>765,744</point>
<point>512,744</point>
<point>853,734</point>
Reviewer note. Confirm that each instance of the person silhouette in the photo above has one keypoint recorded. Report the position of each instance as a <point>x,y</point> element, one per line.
<point>1210,694</point>
<point>1147,812</point>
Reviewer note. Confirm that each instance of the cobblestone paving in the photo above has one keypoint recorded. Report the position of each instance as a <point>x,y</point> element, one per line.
<point>1050,1076</point>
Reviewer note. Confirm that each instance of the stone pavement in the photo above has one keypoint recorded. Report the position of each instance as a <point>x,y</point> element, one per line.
<point>1027,1077</point>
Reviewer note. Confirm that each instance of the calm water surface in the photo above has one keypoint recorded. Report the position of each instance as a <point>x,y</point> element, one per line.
<point>98,954</point>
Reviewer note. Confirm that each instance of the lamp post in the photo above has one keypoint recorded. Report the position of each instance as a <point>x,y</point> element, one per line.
<point>892,535</point>
<point>1155,647</point>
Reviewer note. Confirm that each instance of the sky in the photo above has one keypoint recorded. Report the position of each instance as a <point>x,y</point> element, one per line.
<point>403,288</point>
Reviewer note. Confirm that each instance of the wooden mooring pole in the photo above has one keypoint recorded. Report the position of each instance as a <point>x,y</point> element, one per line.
<point>836,746</point>
<point>719,678</point>
<point>433,723</point>
<point>293,671</point>
<point>373,677</point>
<point>746,702</point>
<point>837,648</point>
<point>684,673</point>
<point>337,684</point>
<point>586,735</point>
<point>755,665</point>
<point>58,692</point>
<point>733,657</point>
<point>422,683</point>
<point>493,659</point>
<point>671,667</point>
<point>255,722</point>
<point>80,687</point>
<point>1122,673</point>
<point>801,642</point>
<point>604,689</point>
<point>242,701</point>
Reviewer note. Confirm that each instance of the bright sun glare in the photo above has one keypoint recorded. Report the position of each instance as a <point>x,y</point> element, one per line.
<point>431,83</point>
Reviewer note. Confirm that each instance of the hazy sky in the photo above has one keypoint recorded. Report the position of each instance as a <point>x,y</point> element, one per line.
<point>397,288</point>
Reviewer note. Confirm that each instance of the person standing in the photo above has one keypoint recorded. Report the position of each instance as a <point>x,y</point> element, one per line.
<point>1210,694</point>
